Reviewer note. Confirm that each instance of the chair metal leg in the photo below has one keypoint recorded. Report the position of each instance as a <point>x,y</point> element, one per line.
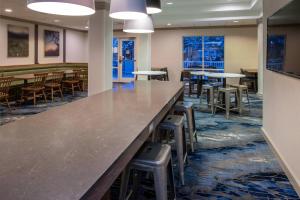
<point>34,98</point>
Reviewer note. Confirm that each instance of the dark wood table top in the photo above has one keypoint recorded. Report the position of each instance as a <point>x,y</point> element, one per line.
<point>61,153</point>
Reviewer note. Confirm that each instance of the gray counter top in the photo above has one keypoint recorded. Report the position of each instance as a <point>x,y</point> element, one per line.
<point>61,153</point>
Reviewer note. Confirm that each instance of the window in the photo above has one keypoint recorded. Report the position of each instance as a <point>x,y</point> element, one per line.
<point>203,52</point>
<point>192,52</point>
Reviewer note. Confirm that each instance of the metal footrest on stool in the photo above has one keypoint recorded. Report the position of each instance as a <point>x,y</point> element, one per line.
<point>187,109</point>
<point>174,123</point>
<point>154,158</point>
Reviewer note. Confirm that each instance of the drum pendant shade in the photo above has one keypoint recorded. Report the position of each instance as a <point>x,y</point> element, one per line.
<point>144,25</point>
<point>63,7</point>
<point>153,6</point>
<point>128,9</point>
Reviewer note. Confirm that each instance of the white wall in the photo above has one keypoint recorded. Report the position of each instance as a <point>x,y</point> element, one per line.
<point>240,48</point>
<point>281,111</point>
<point>76,46</point>
<point>41,46</point>
<point>4,60</point>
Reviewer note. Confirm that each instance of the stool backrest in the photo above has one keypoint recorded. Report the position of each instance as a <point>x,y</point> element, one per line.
<point>39,80</point>
<point>5,83</point>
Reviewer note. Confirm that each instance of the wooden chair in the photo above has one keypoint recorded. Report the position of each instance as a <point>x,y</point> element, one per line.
<point>54,85</point>
<point>249,80</point>
<point>5,83</point>
<point>84,80</point>
<point>72,82</point>
<point>36,89</point>
<point>186,77</point>
<point>164,77</point>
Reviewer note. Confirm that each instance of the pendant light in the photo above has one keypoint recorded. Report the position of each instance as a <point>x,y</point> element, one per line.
<point>144,25</point>
<point>128,9</point>
<point>63,7</point>
<point>153,6</point>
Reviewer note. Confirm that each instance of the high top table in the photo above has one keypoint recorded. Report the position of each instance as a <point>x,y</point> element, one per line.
<point>77,150</point>
<point>223,76</point>
<point>149,73</point>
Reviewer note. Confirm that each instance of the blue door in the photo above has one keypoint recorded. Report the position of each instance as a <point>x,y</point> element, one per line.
<point>123,59</point>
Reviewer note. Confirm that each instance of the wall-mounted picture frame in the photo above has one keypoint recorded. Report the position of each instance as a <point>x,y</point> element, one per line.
<point>51,43</point>
<point>17,41</point>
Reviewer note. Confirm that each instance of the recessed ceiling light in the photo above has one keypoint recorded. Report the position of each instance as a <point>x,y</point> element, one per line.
<point>170,3</point>
<point>236,21</point>
<point>169,24</point>
<point>86,27</point>
<point>56,20</point>
<point>8,10</point>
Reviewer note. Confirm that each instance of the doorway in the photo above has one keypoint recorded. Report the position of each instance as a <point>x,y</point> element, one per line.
<point>124,54</point>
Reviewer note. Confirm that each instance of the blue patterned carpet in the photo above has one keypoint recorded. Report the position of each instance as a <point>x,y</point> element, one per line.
<point>232,159</point>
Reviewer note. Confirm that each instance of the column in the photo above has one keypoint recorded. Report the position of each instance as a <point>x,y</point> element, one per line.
<point>100,50</point>
<point>144,54</point>
<point>262,52</point>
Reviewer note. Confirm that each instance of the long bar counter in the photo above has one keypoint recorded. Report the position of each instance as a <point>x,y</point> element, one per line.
<point>76,151</point>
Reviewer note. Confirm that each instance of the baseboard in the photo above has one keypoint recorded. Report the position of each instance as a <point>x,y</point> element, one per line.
<point>282,163</point>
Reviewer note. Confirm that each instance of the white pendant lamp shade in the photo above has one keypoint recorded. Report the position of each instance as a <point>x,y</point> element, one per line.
<point>153,6</point>
<point>128,9</point>
<point>144,25</point>
<point>63,7</point>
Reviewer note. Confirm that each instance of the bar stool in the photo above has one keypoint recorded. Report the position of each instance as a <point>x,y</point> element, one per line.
<point>227,92</point>
<point>174,123</point>
<point>241,90</point>
<point>154,158</point>
<point>187,109</point>
<point>210,96</point>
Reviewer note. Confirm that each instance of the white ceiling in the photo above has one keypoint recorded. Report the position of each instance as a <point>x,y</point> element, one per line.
<point>182,13</point>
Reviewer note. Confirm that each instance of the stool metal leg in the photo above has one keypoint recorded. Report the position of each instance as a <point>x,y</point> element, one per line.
<point>161,182</point>
<point>194,126</point>
<point>171,179</point>
<point>124,183</point>
<point>180,152</point>
<point>247,93</point>
<point>240,104</point>
<point>227,104</point>
<point>212,100</point>
<point>189,116</point>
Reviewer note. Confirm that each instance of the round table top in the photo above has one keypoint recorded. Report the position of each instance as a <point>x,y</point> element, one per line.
<point>149,73</point>
<point>218,75</point>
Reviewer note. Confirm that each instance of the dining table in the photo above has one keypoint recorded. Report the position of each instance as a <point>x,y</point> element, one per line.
<point>27,77</point>
<point>149,73</point>
<point>223,76</point>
